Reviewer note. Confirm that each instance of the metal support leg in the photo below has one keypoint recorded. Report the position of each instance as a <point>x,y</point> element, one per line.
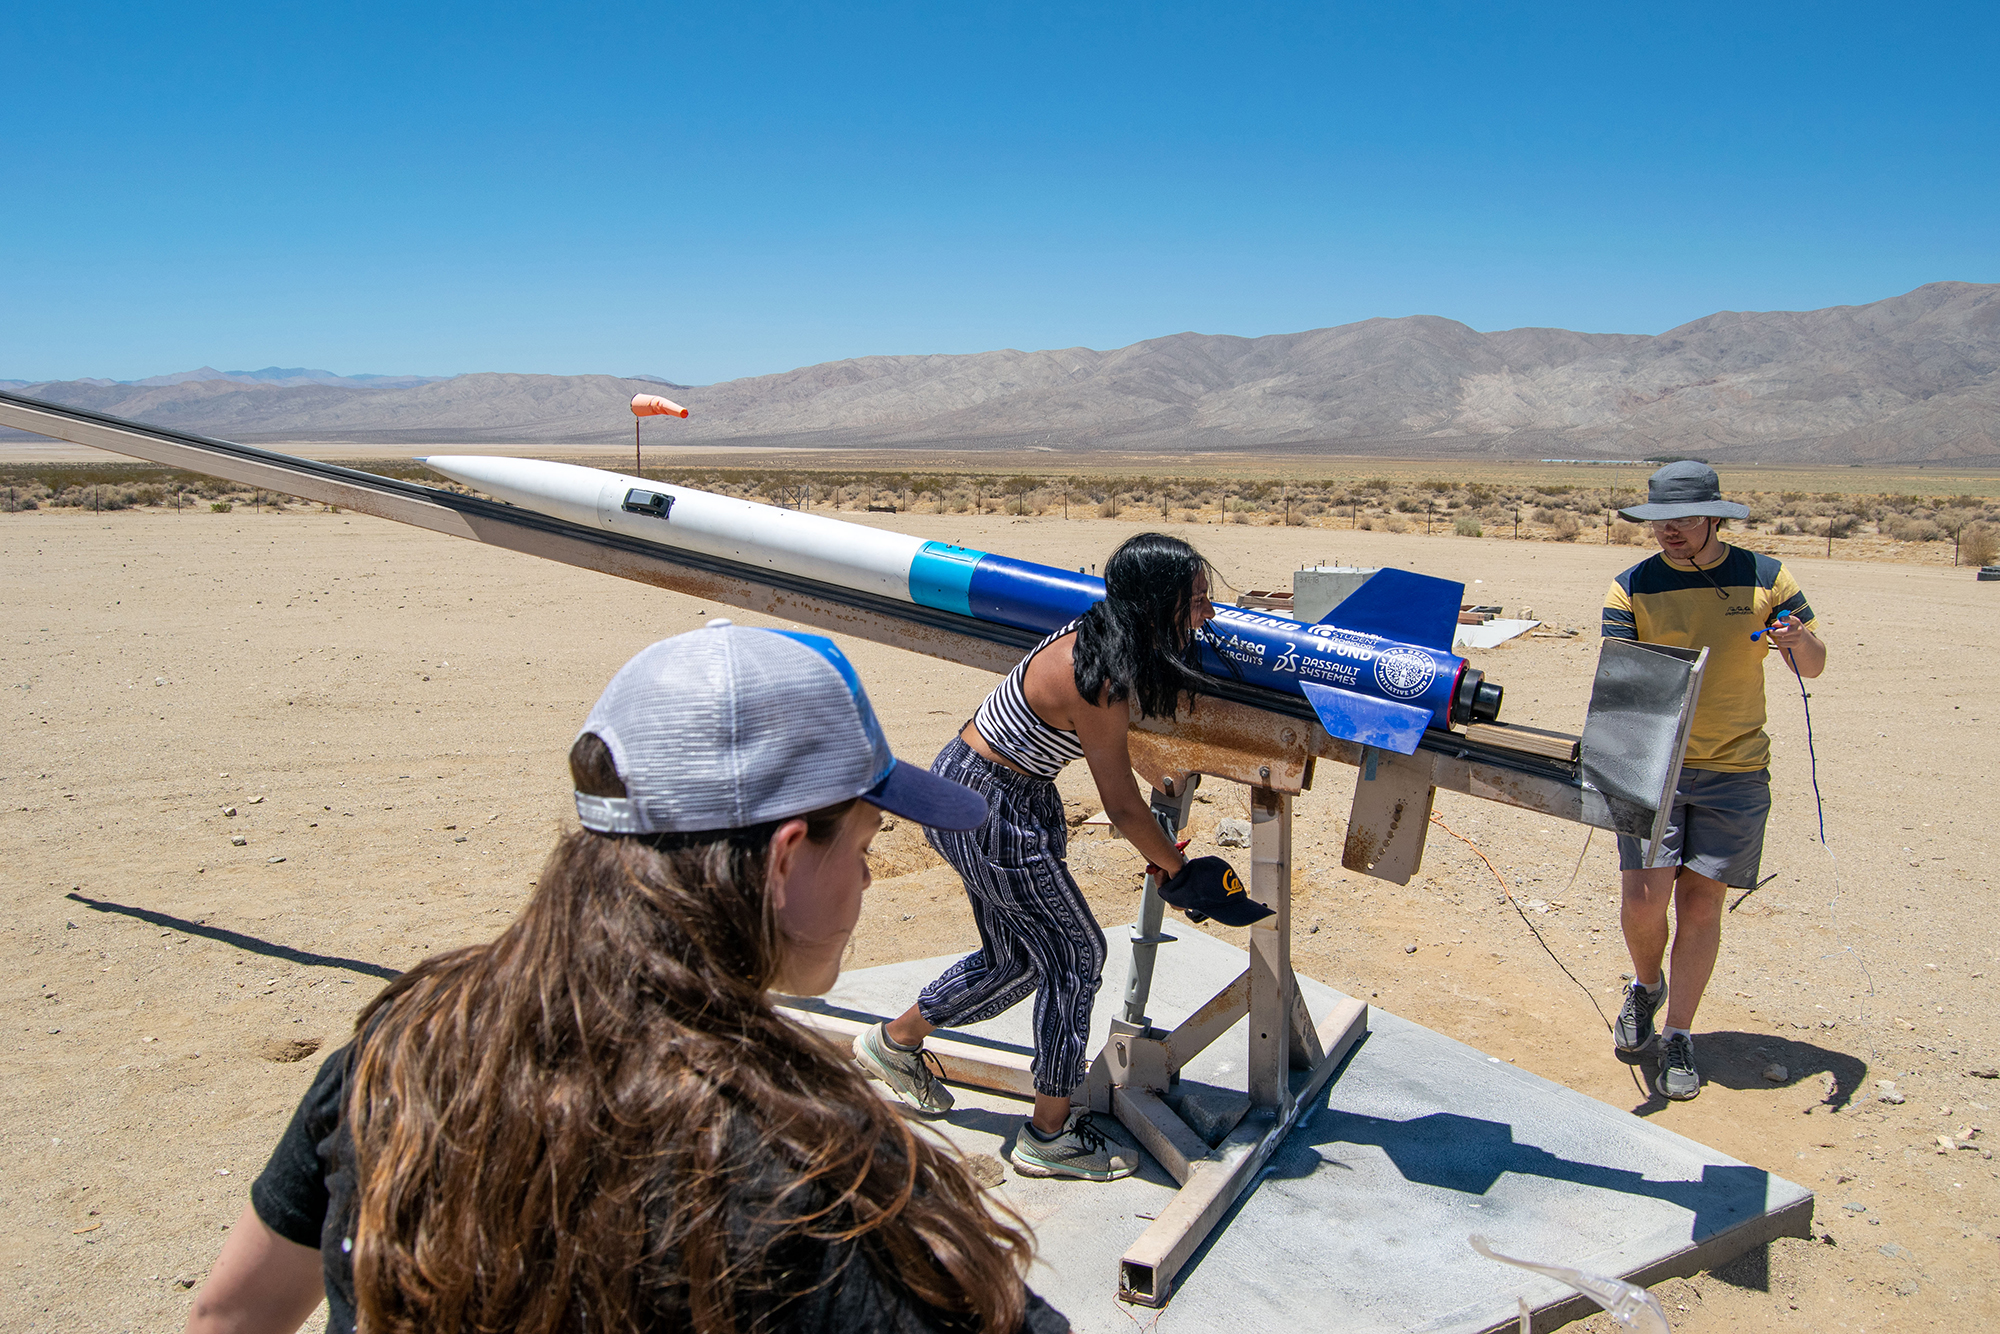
<point>1171,810</point>
<point>1272,987</point>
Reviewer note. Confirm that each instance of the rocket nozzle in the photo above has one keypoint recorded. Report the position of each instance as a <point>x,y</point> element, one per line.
<point>1476,700</point>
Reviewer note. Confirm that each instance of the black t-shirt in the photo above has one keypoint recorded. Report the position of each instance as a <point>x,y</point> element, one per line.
<point>305,1194</point>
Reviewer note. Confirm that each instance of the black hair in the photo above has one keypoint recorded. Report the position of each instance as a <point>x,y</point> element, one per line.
<point>1136,644</point>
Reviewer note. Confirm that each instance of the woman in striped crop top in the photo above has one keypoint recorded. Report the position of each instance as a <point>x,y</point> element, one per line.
<point>1074,696</point>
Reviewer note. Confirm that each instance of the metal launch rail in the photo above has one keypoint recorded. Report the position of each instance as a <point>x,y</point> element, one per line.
<point>1627,765</point>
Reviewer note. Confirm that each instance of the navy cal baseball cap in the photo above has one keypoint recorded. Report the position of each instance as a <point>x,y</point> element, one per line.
<point>729,726</point>
<point>1210,887</point>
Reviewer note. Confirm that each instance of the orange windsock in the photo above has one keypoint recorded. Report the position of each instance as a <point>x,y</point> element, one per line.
<point>652,405</point>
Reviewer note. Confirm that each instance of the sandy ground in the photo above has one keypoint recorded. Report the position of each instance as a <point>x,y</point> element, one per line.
<point>385,711</point>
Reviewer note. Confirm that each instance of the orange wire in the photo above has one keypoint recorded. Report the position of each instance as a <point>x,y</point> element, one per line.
<point>1532,929</point>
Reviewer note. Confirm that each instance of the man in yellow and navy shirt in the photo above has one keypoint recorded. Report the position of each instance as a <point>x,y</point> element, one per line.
<point>1700,592</point>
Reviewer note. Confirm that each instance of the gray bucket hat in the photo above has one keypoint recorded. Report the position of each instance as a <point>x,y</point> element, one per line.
<point>1685,490</point>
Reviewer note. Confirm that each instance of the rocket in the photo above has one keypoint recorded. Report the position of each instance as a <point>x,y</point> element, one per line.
<point>1378,671</point>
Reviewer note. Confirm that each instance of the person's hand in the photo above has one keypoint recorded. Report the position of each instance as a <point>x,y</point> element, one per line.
<point>1787,633</point>
<point>1159,874</point>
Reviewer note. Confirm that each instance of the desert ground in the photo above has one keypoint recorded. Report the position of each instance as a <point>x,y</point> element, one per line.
<point>255,762</point>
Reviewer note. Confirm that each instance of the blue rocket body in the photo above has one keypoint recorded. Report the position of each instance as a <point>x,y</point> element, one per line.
<point>1378,688</point>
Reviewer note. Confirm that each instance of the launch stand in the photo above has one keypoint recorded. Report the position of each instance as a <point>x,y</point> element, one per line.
<point>1134,1076</point>
<point>1288,1059</point>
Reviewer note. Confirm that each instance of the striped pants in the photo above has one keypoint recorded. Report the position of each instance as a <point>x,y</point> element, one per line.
<point>1036,933</point>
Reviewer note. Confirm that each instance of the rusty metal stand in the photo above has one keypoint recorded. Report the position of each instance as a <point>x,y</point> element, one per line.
<point>1289,1060</point>
<point>1290,1055</point>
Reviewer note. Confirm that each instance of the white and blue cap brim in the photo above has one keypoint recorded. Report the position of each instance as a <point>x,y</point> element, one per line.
<point>729,727</point>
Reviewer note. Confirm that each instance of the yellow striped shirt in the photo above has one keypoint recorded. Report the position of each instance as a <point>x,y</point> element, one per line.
<point>1716,607</point>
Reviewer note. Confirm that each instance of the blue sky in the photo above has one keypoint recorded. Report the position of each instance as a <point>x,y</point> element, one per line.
<point>705,192</point>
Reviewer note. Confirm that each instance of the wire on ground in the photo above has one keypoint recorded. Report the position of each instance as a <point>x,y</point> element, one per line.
<point>1526,920</point>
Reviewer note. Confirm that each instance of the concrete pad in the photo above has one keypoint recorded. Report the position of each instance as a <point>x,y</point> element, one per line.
<point>1360,1221</point>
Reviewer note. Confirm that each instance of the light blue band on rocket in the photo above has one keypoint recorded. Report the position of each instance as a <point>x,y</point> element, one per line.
<point>941,577</point>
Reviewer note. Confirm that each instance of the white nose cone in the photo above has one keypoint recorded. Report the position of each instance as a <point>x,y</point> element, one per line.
<point>809,545</point>
<point>555,489</point>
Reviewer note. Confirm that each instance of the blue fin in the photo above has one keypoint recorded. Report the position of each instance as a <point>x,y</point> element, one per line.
<point>1352,716</point>
<point>1403,605</point>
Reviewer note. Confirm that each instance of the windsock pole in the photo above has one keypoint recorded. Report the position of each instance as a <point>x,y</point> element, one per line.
<point>649,405</point>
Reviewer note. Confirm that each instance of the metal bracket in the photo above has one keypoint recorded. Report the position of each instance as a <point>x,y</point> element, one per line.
<point>1391,815</point>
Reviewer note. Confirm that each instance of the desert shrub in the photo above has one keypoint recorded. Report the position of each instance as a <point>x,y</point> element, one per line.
<point>1905,529</point>
<point>1567,529</point>
<point>1553,489</point>
<point>220,506</point>
<point>1842,525</point>
<point>1545,514</point>
<point>1478,493</point>
<point>1961,502</point>
<point>1791,495</point>
<point>1312,509</point>
<point>1468,528</point>
<point>1438,485</point>
<point>1395,526</point>
<point>1409,506</point>
<point>1627,534</point>
<point>1295,519</point>
<point>1373,485</point>
<point>1785,528</point>
<point>1979,545</point>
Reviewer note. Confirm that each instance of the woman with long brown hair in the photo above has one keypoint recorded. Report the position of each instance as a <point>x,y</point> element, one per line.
<point>598,1121</point>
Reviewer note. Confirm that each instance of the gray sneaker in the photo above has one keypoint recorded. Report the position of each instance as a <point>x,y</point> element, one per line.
<point>1634,1029</point>
<point>1679,1079</point>
<point>907,1073</point>
<point>1081,1151</point>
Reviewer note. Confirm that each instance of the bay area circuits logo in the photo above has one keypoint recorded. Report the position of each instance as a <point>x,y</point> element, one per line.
<point>1405,672</point>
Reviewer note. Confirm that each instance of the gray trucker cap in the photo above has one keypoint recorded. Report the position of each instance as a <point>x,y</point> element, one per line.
<point>728,726</point>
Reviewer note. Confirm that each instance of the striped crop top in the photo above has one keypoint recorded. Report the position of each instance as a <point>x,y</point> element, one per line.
<point>1017,732</point>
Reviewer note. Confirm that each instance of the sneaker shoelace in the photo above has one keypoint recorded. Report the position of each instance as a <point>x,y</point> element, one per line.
<point>930,1070</point>
<point>1640,1003</point>
<point>1679,1054</point>
<point>1088,1134</point>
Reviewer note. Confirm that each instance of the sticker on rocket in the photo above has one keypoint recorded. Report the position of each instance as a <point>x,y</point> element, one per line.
<point>1405,672</point>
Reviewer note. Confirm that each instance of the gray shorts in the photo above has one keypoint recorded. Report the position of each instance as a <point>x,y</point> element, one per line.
<point>1716,828</point>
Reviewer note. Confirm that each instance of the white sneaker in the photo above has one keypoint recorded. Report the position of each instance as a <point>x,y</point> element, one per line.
<point>907,1073</point>
<point>1081,1151</point>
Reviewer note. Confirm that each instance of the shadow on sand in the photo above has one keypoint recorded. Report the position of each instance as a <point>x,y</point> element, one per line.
<point>252,944</point>
<point>1736,1060</point>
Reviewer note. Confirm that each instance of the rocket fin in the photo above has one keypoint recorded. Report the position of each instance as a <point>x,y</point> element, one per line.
<point>1352,716</point>
<point>1401,604</point>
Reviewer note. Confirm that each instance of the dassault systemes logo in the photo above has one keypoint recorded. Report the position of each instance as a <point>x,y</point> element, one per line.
<point>1405,672</point>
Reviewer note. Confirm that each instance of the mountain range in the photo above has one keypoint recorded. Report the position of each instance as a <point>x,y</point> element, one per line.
<point>1914,378</point>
